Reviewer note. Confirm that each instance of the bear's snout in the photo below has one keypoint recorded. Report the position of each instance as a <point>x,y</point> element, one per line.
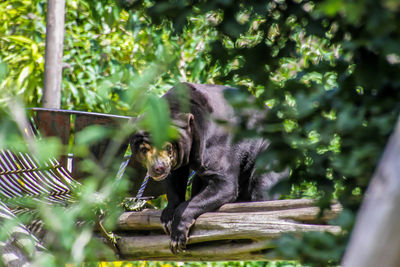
<point>159,170</point>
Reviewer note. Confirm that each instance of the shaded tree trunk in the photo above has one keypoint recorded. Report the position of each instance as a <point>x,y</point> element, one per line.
<point>375,240</point>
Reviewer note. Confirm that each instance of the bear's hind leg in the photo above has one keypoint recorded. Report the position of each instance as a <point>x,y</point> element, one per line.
<point>261,185</point>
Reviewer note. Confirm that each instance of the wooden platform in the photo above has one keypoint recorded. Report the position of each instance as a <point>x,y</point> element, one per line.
<point>237,231</point>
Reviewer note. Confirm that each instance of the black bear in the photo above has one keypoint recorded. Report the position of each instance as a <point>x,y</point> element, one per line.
<point>225,171</point>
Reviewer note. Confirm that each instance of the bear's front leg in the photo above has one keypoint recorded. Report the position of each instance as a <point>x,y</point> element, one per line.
<point>218,191</point>
<point>176,184</point>
<point>166,218</point>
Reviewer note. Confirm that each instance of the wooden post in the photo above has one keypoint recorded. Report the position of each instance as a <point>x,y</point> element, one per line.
<point>54,52</point>
<point>375,240</point>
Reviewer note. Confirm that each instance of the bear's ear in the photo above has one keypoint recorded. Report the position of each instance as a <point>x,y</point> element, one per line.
<point>189,119</point>
<point>186,120</point>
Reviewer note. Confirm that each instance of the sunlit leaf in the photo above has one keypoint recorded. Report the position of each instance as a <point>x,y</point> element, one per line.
<point>19,38</point>
<point>25,72</point>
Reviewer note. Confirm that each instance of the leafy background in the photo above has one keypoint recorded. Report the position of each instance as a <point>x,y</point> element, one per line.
<point>328,71</point>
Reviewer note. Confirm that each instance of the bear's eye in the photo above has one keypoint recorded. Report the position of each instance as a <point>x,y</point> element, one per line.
<point>168,148</point>
<point>143,149</point>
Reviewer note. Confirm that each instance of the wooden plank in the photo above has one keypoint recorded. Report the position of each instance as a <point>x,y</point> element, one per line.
<point>55,124</point>
<point>99,149</point>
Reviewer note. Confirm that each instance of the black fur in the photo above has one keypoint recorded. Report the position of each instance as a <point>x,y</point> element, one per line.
<point>224,170</point>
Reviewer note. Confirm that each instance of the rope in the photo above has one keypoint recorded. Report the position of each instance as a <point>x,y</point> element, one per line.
<point>142,187</point>
<point>121,172</point>
<point>122,167</point>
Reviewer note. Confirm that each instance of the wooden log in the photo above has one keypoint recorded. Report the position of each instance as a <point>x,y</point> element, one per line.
<point>237,231</point>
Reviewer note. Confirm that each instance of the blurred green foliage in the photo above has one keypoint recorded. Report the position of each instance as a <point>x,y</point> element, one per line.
<point>108,52</point>
<point>327,70</point>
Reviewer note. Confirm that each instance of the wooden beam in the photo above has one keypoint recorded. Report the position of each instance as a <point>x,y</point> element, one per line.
<point>237,231</point>
<point>53,54</point>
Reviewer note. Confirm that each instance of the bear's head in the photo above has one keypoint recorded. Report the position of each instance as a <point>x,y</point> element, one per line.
<point>160,162</point>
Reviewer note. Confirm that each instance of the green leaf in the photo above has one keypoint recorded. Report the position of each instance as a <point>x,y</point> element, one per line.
<point>19,38</point>
<point>48,148</point>
<point>92,134</point>
<point>157,121</point>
